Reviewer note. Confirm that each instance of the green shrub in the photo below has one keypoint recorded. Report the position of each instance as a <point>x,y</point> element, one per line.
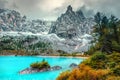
<point>115,46</point>
<point>94,48</point>
<point>64,54</point>
<point>40,65</point>
<point>34,65</point>
<point>97,61</point>
<point>112,64</point>
<point>116,71</point>
<point>73,54</point>
<point>99,56</point>
<point>91,50</point>
<point>115,57</point>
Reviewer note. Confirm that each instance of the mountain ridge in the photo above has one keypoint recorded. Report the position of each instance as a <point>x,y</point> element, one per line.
<point>72,24</point>
<point>71,32</point>
<point>11,20</point>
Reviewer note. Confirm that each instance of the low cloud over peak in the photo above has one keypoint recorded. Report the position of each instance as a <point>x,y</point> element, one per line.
<point>51,9</point>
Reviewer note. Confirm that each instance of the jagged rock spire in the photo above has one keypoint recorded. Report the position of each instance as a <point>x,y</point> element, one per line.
<point>69,8</point>
<point>80,14</point>
<point>71,24</point>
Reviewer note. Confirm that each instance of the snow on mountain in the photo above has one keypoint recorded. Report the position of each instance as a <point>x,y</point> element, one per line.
<point>71,32</point>
<point>67,45</point>
<point>11,20</point>
<point>75,28</point>
<point>72,24</point>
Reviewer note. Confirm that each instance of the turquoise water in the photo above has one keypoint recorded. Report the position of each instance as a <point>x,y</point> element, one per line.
<point>11,65</point>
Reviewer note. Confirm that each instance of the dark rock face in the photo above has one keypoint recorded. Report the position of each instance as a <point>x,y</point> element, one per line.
<point>34,70</point>
<point>73,65</point>
<point>71,24</point>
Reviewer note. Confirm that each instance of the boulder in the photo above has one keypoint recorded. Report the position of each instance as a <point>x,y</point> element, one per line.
<point>73,65</point>
<point>56,67</point>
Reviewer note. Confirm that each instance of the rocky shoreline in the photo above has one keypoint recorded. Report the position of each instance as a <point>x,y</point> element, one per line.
<point>35,70</point>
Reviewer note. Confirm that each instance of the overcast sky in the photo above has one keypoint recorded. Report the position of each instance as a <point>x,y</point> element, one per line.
<point>51,9</point>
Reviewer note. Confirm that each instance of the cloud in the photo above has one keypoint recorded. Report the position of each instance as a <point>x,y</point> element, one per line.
<point>105,6</point>
<point>88,12</point>
<point>3,3</point>
<point>51,9</point>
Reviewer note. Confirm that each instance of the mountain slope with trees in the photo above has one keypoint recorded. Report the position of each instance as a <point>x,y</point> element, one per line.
<point>104,63</point>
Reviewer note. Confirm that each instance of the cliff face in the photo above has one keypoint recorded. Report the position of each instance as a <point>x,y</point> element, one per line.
<point>72,24</point>
<point>11,20</point>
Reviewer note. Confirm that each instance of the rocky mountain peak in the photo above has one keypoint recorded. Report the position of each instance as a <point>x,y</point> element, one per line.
<point>11,20</point>
<point>69,8</point>
<point>71,24</point>
<point>80,14</point>
<point>70,32</point>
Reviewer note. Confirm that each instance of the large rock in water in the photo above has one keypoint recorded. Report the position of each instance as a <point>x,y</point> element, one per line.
<point>73,65</point>
<point>34,70</point>
<point>71,24</point>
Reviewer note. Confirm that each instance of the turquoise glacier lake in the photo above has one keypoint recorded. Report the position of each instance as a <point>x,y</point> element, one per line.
<point>11,65</point>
